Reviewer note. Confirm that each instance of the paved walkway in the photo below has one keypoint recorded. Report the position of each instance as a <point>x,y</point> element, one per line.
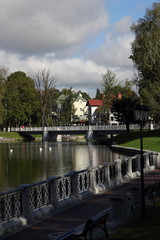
<point>77,215</point>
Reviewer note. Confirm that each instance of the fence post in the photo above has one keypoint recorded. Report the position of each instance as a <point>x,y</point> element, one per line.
<point>146,161</point>
<point>52,182</point>
<point>156,156</point>
<point>75,188</point>
<point>129,172</point>
<point>92,180</point>
<point>107,175</point>
<point>25,200</point>
<point>118,171</point>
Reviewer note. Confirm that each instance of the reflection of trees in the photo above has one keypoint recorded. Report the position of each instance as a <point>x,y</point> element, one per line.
<point>2,167</point>
<point>24,164</point>
<point>27,164</point>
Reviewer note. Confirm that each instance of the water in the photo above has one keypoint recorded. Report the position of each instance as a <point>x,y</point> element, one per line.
<point>30,162</point>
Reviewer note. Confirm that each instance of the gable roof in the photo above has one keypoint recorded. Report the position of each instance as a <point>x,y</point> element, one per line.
<point>95,102</point>
<point>79,97</point>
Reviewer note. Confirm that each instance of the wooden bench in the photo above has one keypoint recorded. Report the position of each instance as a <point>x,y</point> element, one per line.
<point>83,230</point>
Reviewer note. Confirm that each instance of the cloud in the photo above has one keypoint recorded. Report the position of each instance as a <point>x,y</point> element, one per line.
<point>61,35</point>
<point>123,26</point>
<point>114,52</point>
<point>40,26</point>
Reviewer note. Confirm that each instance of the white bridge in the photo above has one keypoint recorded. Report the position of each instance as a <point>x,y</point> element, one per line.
<point>91,131</point>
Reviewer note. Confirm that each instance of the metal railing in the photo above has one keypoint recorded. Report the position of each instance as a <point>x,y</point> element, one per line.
<point>26,199</point>
<point>74,128</point>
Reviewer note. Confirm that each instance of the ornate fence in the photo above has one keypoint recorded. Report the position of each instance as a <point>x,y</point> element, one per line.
<point>10,205</point>
<point>62,190</point>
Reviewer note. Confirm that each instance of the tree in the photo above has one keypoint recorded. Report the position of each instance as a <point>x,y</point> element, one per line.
<point>67,109</point>
<point>122,109</point>
<point>109,84</point>
<point>20,98</point>
<point>3,74</point>
<point>51,109</point>
<point>99,95</point>
<point>44,81</point>
<point>109,81</point>
<point>146,56</point>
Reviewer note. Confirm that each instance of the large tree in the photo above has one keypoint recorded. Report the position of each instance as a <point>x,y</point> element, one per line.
<point>146,57</point>
<point>20,99</point>
<point>123,110</point>
<point>44,82</point>
<point>112,89</point>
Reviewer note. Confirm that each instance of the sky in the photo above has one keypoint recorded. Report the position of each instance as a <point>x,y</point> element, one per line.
<point>78,40</point>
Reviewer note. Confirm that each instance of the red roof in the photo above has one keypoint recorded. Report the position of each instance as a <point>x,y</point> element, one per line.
<point>95,102</point>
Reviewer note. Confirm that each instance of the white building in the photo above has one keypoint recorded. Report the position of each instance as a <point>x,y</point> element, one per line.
<point>80,109</point>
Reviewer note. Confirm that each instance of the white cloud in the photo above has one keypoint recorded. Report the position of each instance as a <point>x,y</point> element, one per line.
<point>123,26</point>
<point>114,52</point>
<point>56,34</point>
<point>40,26</point>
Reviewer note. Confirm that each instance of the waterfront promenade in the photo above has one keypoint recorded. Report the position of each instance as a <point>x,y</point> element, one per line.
<point>72,217</point>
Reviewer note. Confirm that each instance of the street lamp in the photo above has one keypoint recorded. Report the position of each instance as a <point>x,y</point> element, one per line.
<point>141,116</point>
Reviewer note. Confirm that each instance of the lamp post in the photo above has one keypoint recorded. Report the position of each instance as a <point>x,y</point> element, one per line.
<point>141,116</point>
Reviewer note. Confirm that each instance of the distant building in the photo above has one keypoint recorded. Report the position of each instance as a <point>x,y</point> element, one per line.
<point>80,109</point>
<point>93,114</point>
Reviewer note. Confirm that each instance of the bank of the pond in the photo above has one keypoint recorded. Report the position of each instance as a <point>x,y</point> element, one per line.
<point>151,140</point>
<point>13,137</point>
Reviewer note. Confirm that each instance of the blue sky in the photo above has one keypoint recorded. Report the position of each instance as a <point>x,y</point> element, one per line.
<point>117,9</point>
<point>78,40</point>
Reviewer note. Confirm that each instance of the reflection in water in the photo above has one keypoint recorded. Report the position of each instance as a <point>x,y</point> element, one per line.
<point>30,162</point>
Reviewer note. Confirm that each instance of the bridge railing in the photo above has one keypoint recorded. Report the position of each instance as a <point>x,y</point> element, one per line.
<point>75,128</point>
<point>30,200</point>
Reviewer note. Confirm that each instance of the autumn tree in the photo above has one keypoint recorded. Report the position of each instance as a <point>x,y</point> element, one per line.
<point>146,58</point>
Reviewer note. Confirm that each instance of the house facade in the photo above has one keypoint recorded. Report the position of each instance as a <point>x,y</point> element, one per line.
<point>80,109</point>
<point>95,113</point>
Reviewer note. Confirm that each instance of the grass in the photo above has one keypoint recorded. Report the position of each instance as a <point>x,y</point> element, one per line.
<point>151,140</point>
<point>142,229</point>
<point>11,135</point>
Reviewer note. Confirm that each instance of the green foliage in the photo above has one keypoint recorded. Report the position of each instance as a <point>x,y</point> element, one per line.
<point>20,99</point>
<point>112,90</point>
<point>146,57</point>
<point>67,106</point>
<point>3,73</point>
<point>123,110</point>
<point>98,94</point>
<point>109,81</point>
